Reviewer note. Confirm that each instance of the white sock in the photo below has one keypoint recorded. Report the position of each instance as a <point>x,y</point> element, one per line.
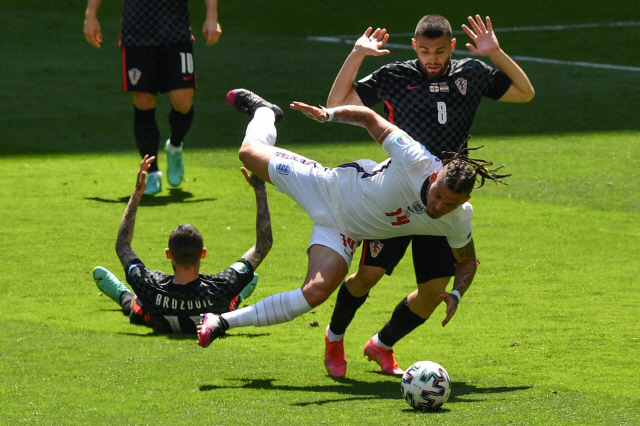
<point>332,336</point>
<point>262,127</point>
<point>378,343</point>
<point>173,149</point>
<point>275,309</point>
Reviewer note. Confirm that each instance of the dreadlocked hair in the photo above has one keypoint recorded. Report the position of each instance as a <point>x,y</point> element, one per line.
<point>463,171</point>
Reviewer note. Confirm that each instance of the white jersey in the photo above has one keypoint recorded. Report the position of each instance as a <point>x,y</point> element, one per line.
<point>378,201</point>
<point>369,200</point>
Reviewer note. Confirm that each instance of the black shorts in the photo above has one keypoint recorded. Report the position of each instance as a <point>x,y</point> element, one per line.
<point>153,69</point>
<point>432,256</point>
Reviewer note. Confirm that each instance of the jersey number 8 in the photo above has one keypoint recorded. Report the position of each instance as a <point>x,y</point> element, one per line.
<point>442,112</point>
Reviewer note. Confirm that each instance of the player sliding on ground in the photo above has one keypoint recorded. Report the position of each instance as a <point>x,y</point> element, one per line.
<point>411,193</point>
<point>174,302</point>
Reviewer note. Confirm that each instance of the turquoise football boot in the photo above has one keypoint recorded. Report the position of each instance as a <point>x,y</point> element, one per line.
<point>154,183</point>
<point>175,165</point>
<point>108,283</point>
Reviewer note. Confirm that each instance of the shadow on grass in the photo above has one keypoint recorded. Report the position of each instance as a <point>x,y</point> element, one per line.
<point>188,336</point>
<point>364,390</point>
<point>176,195</point>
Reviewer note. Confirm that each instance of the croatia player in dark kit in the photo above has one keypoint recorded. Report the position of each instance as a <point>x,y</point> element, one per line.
<point>157,56</point>
<point>434,99</point>
<point>173,303</point>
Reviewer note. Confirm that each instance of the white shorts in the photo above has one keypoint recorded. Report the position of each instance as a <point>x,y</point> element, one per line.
<point>305,181</point>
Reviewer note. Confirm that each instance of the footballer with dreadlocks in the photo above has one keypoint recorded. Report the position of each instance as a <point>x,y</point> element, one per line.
<point>410,193</point>
<point>434,99</point>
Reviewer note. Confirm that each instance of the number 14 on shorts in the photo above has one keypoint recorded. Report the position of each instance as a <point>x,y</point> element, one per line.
<point>349,244</point>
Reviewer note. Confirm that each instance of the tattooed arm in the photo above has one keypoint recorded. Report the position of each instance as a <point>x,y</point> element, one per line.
<point>264,238</point>
<point>125,232</point>
<point>355,115</point>
<point>465,271</point>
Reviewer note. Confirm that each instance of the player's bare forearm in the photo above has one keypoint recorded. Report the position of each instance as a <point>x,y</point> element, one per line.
<point>125,231</point>
<point>355,115</point>
<point>92,8</point>
<point>521,89</point>
<point>465,271</point>
<point>466,267</point>
<point>264,236</point>
<point>342,92</point>
<point>377,126</point>
<point>211,9</point>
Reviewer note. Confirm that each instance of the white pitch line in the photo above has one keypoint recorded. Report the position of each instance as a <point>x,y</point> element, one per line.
<point>351,40</point>
<point>538,28</point>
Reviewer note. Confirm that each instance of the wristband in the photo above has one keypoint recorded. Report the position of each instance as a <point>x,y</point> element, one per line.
<point>329,112</point>
<point>456,294</point>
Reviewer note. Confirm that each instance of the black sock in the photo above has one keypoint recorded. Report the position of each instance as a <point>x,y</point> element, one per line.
<point>147,134</point>
<point>345,310</point>
<point>180,124</point>
<point>125,302</point>
<point>402,322</point>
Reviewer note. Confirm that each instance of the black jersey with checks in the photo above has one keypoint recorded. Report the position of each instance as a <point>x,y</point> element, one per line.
<point>177,307</point>
<point>436,112</point>
<point>155,22</point>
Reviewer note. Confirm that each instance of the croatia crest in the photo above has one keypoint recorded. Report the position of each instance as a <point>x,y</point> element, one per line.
<point>134,75</point>
<point>462,85</point>
<point>375,247</point>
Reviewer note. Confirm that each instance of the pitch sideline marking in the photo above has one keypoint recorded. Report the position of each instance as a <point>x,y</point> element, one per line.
<point>351,40</point>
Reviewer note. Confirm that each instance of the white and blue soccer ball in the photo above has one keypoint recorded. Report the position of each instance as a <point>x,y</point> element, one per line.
<point>426,386</point>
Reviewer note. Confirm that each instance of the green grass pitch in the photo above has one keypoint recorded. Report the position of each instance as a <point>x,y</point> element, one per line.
<point>547,335</point>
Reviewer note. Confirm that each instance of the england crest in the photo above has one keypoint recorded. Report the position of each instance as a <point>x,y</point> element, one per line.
<point>462,85</point>
<point>134,75</point>
<point>283,169</point>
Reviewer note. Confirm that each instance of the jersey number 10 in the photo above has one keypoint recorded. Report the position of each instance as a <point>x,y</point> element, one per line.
<point>187,62</point>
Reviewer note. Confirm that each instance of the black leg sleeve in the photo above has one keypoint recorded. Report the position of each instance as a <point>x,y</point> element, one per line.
<point>402,322</point>
<point>180,124</point>
<point>345,310</point>
<point>147,133</point>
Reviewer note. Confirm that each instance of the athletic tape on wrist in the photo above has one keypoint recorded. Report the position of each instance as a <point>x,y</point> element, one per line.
<point>456,294</point>
<point>330,112</point>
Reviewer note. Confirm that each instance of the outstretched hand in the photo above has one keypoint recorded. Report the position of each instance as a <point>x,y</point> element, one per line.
<point>312,112</point>
<point>141,182</point>
<point>452,306</point>
<point>483,36</point>
<point>253,179</point>
<point>372,43</point>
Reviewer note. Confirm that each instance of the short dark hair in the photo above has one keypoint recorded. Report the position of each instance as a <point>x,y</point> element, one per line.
<point>185,243</point>
<point>433,26</point>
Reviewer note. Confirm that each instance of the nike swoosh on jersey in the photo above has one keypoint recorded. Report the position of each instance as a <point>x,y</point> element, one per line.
<point>187,77</point>
<point>412,87</point>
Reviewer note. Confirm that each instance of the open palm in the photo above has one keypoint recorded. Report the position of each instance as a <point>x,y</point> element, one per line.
<point>483,36</point>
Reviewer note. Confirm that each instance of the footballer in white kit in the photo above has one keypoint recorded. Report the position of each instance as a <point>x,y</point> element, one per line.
<point>368,200</point>
<point>411,193</point>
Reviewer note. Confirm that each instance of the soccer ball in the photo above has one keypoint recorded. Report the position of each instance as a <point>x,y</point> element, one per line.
<point>426,386</point>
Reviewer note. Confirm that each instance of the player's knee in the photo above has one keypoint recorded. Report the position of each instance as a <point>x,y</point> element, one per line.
<point>315,296</point>
<point>247,153</point>
<point>182,106</point>
<point>144,101</point>
<point>431,290</point>
<point>364,280</point>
